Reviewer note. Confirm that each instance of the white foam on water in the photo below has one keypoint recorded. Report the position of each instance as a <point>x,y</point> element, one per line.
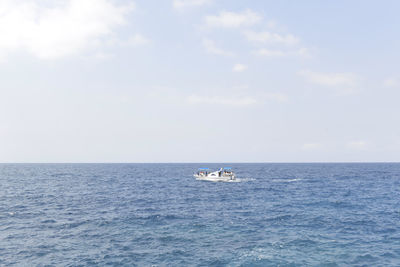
<point>286,180</point>
<point>237,180</point>
<point>241,180</point>
<point>294,180</point>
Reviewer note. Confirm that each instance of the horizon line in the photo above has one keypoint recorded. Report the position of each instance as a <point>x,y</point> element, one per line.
<point>234,162</point>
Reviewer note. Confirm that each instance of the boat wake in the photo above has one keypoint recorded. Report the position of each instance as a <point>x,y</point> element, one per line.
<point>239,180</point>
<point>244,180</point>
<point>287,180</point>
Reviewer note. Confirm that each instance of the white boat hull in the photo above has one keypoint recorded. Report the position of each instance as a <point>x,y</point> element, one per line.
<point>215,178</point>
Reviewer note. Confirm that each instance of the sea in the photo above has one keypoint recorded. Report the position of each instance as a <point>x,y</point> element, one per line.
<point>276,214</point>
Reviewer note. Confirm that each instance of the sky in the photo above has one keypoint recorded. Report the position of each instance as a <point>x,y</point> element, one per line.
<point>199,81</point>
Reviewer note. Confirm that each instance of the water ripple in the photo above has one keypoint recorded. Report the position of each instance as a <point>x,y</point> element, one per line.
<point>158,215</point>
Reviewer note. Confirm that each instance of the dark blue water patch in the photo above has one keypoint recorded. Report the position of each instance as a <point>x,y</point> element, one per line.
<point>157,214</point>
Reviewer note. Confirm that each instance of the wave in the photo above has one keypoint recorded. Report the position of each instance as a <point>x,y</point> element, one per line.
<point>287,180</point>
<point>242,180</point>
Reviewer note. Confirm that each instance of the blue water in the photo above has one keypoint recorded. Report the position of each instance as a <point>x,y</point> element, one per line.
<point>158,215</point>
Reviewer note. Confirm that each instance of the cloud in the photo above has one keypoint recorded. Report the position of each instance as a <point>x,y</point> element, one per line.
<point>183,4</point>
<point>270,53</point>
<point>212,48</point>
<point>275,44</point>
<point>391,82</point>
<point>239,68</point>
<point>330,79</point>
<point>50,31</point>
<point>227,19</point>
<point>225,101</point>
<point>265,52</point>
<point>358,145</point>
<point>271,38</point>
<point>237,101</point>
<point>302,52</point>
<point>272,24</point>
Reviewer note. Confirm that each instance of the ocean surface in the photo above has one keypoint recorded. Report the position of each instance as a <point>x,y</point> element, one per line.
<point>159,215</point>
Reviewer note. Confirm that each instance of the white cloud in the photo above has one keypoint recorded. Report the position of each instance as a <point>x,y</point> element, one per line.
<point>239,68</point>
<point>270,53</point>
<point>271,38</point>
<point>391,82</point>
<point>183,4</point>
<point>277,44</point>
<point>265,52</point>
<point>212,48</point>
<point>238,100</point>
<point>358,145</point>
<point>226,101</point>
<point>311,146</point>
<point>60,29</point>
<point>330,79</point>
<point>303,52</point>
<point>227,19</point>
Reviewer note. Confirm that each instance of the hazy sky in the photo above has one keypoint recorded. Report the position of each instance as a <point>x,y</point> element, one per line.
<point>199,81</point>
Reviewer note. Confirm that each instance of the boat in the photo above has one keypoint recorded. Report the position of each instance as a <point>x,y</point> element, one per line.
<point>222,175</point>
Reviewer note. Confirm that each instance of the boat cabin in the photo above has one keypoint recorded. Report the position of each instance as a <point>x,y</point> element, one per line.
<point>227,171</point>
